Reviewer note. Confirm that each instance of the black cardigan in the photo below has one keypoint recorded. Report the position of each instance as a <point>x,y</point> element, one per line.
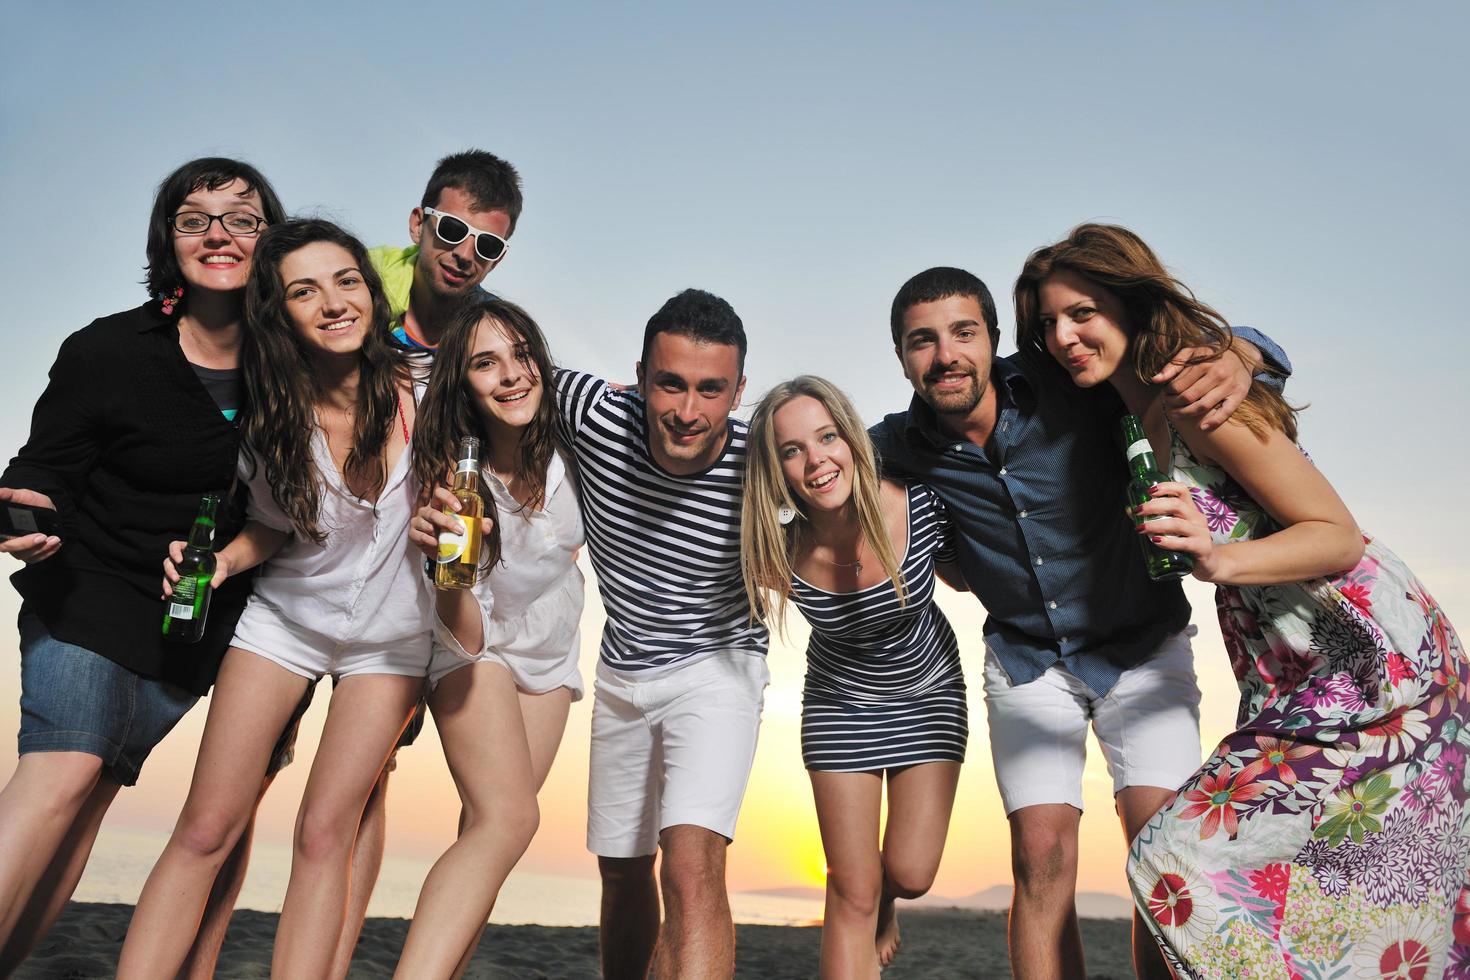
<point>125,440</point>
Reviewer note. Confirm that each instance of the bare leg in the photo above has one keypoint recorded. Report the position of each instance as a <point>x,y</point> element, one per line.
<point>848,805</point>
<point>698,934</point>
<point>367,861</point>
<point>478,715</point>
<point>204,954</point>
<point>545,718</point>
<point>37,808</point>
<point>920,800</point>
<point>54,890</point>
<point>366,716</point>
<point>252,701</point>
<point>628,927</point>
<point>1136,806</point>
<point>1045,940</point>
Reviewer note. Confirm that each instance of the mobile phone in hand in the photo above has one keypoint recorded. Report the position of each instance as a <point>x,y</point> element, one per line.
<point>18,520</point>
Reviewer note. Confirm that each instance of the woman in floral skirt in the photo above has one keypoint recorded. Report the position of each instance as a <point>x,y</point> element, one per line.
<point>1326,836</point>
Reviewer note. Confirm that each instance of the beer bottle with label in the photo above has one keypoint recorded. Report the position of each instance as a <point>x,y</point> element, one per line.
<point>459,554</point>
<point>1161,564</point>
<point>187,609</point>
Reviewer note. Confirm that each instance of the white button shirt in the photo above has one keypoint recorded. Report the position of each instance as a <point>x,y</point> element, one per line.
<point>365,582</point>
<point>531,601</point>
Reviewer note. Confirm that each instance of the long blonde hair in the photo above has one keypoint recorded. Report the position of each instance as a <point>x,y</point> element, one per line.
<point>1164,317</point>
<point>767,545</point>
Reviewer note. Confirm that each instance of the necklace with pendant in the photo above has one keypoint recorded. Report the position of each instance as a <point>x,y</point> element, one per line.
<point>856,566</point>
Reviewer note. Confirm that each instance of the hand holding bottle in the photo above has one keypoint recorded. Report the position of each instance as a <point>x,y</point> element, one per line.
<point>436,517</point>
<point>222,569</point>
<point>193,565</point>
<point>1171,520</point>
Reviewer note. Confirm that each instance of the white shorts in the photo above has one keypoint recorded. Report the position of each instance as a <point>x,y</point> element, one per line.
<point>532,674</point>
<point>1147,725</point>
<point>674,748</point>
<point>264,631</point>
<point>536,680</point>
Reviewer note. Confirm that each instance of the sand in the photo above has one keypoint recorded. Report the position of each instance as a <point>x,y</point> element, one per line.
<point>949,944</point>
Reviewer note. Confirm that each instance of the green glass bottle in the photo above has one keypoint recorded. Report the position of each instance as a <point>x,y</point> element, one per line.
<point>1144,471</point>
<point>185,611</point>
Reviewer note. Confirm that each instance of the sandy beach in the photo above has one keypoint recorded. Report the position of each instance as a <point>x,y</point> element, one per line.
<point>937,944</point>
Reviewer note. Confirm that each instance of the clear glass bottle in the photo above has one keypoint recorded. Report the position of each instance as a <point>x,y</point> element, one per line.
<point>459,554</point>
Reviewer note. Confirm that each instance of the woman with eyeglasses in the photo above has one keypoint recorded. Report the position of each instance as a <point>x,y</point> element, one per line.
<point>134,427</point>
<point>884,698</point>
<point>326,435</point>
<point>504,672</point>
<point>1326,835</point>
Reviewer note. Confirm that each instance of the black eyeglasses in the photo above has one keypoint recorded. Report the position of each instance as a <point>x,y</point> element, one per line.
<point>234,222</point>
<point>451,231</point>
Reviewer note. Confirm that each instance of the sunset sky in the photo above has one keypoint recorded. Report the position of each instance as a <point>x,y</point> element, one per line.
<point>1299,165</point>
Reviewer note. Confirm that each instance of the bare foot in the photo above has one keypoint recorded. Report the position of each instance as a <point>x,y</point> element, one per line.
<point>887,941</point>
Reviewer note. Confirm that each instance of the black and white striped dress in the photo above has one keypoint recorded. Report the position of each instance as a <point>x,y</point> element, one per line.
<point>884,687</point>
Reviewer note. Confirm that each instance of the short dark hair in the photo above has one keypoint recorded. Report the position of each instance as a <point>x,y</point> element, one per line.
<point>162,275</point>
<point>942,282</point>
<point>490,182</point>
<point>701,316</point>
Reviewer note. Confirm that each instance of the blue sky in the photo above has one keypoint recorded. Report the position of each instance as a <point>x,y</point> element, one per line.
<point>1300,165</point>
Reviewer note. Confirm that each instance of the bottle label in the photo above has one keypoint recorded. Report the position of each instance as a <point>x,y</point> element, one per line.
<point>1138,449</point>
<point>466,465</point>
<point>460,547</point>
<point>180,611</point>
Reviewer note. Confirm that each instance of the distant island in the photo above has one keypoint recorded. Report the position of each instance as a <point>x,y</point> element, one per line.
<point>996,898</point>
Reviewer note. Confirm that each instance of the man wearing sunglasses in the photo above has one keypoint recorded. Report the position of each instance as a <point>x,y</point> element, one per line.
<point>460,231</point>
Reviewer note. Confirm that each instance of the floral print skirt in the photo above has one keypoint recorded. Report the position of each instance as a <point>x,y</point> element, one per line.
<point>1326,837</point>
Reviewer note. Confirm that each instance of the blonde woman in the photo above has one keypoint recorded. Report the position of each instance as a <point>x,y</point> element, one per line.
<point>884,699</point>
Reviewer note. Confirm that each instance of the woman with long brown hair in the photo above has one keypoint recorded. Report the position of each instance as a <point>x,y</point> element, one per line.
<point>327,459</point>
<point>884,698</point>
<point>504,670</point>
<point>1326,835</point>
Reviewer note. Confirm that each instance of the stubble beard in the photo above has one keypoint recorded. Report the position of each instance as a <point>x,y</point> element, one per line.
<point>685,453</point>
<point>959,403</point>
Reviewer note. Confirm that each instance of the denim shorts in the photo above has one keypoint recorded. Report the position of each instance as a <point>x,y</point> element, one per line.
<point>74,700</point>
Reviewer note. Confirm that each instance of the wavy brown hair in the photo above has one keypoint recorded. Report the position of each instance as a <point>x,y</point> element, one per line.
<point>283,389</point>
<point>767,545</point>
<point>1163,315</point>
<point>449,410</point>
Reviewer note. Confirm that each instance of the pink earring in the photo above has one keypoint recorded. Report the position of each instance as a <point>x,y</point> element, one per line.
<point>170,300</point>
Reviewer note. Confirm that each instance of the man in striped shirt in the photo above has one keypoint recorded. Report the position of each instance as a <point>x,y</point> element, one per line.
<point>682,673</point>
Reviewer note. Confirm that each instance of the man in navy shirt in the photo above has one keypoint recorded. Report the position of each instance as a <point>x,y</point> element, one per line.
<point>1076,633</point>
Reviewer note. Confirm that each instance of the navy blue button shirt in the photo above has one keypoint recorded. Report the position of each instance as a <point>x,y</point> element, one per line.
<point>1043,540</point>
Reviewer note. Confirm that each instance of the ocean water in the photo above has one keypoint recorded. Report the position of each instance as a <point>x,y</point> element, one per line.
<point>123,857</point>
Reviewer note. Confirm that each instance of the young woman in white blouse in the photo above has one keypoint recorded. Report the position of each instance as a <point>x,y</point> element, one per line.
<point>327,459</point>
<point>504,670</point>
